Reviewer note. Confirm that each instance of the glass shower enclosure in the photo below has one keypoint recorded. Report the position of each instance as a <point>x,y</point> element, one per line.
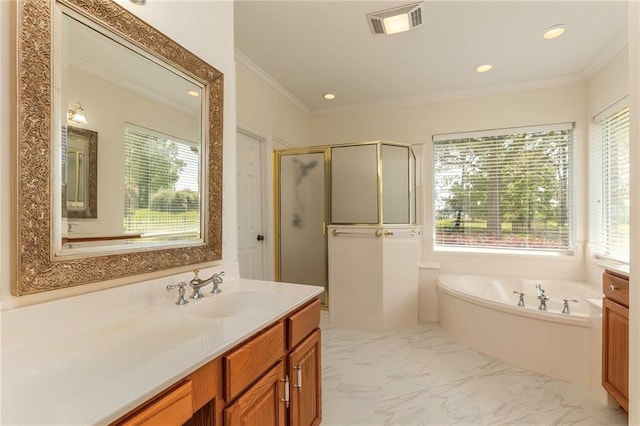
<point>368,183</point>
<point>301,212</point>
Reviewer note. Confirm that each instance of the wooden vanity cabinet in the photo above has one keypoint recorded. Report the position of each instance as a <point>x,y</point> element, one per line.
<point>262,404</point>
<point>290,392</point>
<point>271,379</point>
<point>174,406</point>
<point>305,380</point>
<point>194,401</point>
<point>615,337</point>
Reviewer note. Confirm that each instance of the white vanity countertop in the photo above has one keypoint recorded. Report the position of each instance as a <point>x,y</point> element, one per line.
<point>77,361</point>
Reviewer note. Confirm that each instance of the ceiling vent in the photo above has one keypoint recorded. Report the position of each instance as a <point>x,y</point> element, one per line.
<point>397,19</point>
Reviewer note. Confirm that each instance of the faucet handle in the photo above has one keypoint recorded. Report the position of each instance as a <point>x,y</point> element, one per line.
<point>217,280</point>
<point>181,292</point>
<point>521,299</point>
<point>195,272</point>
<point>565,307</point>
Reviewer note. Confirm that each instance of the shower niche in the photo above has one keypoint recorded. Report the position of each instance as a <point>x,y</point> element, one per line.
<point>339,208</point>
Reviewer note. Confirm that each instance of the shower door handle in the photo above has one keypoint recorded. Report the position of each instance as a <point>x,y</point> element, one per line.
<point>260,237</point>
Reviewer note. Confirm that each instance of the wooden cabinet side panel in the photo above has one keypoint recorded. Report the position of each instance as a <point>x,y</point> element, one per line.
<point>244,365</point>
<point>615,351</point>
<point>174,407</point>
<point>207,383</point>
<point>306,400</point>
<point>261,404</point>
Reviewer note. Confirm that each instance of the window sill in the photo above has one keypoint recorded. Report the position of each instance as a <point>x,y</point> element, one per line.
<point>531,254</point>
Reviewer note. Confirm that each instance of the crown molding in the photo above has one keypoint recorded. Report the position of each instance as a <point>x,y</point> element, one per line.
<point>619,42</point>
<point>248,65</point>
<point>452,95</point>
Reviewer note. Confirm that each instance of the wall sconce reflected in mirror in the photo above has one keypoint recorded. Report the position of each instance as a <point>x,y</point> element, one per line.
<point>76,114</point>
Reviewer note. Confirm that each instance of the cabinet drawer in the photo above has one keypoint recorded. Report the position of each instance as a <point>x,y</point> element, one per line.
<point>303,322</point>
<point>245,364</point>
<point>175,407</point>
<point>616,288</point>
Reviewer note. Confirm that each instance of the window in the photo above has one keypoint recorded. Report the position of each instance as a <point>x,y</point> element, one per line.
<point>162,184</point>
<point>504,189</point>
<point>610,183</point>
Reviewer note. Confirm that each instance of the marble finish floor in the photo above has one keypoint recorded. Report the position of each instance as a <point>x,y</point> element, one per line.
<point>422,377</point>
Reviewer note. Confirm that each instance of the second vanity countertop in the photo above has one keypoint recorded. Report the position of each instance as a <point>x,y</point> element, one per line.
<point>107,365</point>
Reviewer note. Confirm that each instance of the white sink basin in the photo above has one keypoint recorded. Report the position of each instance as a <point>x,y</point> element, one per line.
<point>225,305</point>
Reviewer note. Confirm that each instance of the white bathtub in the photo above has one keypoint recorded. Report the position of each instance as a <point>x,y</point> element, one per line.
<point>483,312</point>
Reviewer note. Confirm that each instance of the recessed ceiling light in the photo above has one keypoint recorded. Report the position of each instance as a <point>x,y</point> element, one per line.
<point>193,93</point>
<point>484,68</point>
<point>553,32</point>
<point>329,96</point>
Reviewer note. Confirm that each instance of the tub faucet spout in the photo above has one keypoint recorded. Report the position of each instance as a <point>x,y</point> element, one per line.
<point>542,297</point>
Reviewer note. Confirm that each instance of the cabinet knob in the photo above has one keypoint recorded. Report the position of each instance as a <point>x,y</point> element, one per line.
<point>612,288</point>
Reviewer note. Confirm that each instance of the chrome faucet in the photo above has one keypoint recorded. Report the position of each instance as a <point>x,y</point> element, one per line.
<point>565,307</point>
<point>217,280</point>
<point>181,291</point>
<point>197,283</point>
<point>542,296</point>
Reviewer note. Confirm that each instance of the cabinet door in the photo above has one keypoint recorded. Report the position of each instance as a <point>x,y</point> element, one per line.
<point>615,351</point>
<point>262,404</point>
<point>305,377</point>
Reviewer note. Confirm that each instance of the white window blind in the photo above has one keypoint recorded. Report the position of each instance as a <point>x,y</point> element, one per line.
<point>610,183</point>
<point>506,189</point>
<point>162,184</point>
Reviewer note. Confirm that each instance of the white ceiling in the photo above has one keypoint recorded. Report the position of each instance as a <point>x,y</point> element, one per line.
<point>313,47</point>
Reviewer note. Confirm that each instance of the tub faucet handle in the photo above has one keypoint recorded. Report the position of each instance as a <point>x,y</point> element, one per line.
<point>521,298</point>
<point>565,306</point>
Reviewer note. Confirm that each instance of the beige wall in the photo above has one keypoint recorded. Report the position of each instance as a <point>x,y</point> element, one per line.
<point>209,36</point>
<point>268,116</point>
<point>609,84</point>
<point>265,113</point>
<point>417,123</point>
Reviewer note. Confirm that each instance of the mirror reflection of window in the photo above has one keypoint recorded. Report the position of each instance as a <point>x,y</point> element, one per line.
<point>162,184</point>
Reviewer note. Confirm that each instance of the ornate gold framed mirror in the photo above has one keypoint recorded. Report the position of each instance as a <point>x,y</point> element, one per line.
<point>181,117</point>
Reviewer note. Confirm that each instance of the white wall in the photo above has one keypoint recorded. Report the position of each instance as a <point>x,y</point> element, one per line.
<point>417,123</point>
<point>203,27</point>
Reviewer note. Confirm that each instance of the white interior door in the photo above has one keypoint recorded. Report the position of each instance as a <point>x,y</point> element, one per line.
<point>250,232</point>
